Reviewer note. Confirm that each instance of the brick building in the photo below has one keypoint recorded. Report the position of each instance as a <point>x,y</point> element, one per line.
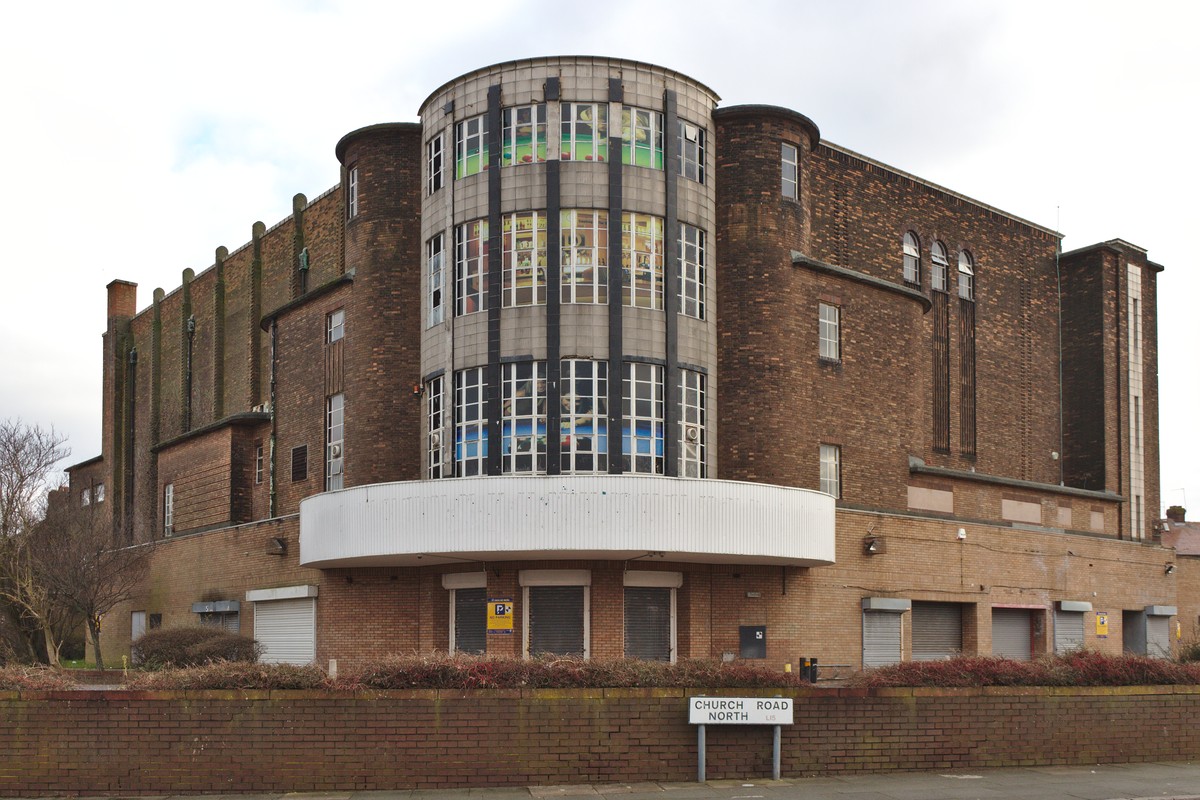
<point>805,404</point>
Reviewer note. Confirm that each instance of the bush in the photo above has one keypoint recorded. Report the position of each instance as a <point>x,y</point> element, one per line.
<point>191,647</point>
<point>232,675</point>
<point>1079,668</point>
<point>440,671</point>
<point>1189,651</point>
<point>34,678</point>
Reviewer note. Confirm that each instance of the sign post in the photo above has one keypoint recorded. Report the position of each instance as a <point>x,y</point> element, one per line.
<point>703,711</point>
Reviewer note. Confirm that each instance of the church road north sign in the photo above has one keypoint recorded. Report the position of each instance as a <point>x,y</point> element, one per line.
<point>740,710</point>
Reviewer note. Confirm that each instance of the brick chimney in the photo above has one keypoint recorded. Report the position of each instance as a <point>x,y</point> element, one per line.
<point>1176,513</point>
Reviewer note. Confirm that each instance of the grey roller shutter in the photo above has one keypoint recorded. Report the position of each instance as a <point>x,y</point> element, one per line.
<point>286,629</point>
<point>556,620</point>
<point>648,623</point>
<point>1068,631</point>
<point>1158,637</point>
<point>936,631</point>
<point>1012,634</point>
<point>881,638</point>
<point>470,620</point>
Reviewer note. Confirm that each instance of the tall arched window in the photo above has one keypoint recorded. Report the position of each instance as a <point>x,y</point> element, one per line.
<point>966,275</point>
<point>941,267</point>
<point>912,259</point>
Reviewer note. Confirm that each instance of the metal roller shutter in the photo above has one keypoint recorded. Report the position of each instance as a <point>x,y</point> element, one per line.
<point>286,629</point>
<point>648,623</point>
<point>881,638</point>
<point>556,620</point>
<point>936,631</point>
<point>1068,631</point>
<point>1012,634</point>
<point>470,620</point>
<point>1158,637</point>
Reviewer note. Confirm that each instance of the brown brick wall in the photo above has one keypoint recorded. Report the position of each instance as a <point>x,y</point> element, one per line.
<point>162,742</point>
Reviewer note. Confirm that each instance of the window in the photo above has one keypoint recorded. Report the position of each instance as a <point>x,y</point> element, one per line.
<point>470,267</point>
<point>966,276</point>
<point>584,131</point>
<point>641,138</point>
<point>98,493</point>
<point>642,260</point>
<point>912,259</point>
<point>470,147</point>
<point>584,419</point>
<point>791,171</point>
<point>435,419</point>
<point>584,256</point>
<point>557,611</point>
<point>524,259</point>
<point>830,332</point>
<point>650,614</point>
<point>168,509</point>
<point>470,422</point>
<point>334,441</point>
<point>692,455</point>
<point>691,151</point>
<point>524,135</point>
<point>941,268</point>
<point>642,406</point>
<point>85,496</point>
<point>300,463</point>
<point>524,423</point>
<point>435,161</point>
<point>435,256</point>
<point>468,610</point>
<point>335,326</point>
<point>258,464</point>
<point>691,271</point>
<point>352,192</point>
<point>831,469</point>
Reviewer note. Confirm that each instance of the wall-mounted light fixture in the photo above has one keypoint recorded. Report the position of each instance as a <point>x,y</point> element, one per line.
<point>874,545</point>
<point>1169,569</point>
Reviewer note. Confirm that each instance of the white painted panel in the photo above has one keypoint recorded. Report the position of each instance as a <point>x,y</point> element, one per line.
<point>286,629</point>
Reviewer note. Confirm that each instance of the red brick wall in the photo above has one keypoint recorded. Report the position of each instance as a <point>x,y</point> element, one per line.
<point>313,741</point>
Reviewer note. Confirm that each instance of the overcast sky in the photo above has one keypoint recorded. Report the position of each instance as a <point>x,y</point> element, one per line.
<point>139,136</point>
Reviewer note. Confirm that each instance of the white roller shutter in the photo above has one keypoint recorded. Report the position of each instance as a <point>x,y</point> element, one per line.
<point>1012,634</point>
<point>286,629</point>
<point>1068,631</point>
<point>1158,637</point>
<point>936,631</point>
<point>881,638</point>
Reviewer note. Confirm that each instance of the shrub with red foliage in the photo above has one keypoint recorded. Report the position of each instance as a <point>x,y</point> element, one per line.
<point>231,675</point>
<point>13,678</point>
<point>1078,668</point>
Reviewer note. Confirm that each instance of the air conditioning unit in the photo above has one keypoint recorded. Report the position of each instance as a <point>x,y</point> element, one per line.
<point>435,439</point>
<point>691,433</point>
<point>335,450</point>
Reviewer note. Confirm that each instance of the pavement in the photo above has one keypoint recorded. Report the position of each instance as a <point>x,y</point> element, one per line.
<point>1172,781</point>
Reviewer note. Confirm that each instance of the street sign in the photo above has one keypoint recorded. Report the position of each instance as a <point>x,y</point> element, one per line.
<point>740,710</point>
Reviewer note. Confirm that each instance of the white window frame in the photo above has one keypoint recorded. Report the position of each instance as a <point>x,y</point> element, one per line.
<point>693,150</point>
<point>470,271</point>
<point>831,470</point>
<point>454,581</point>
<point>829,332</point>
<point>789,155</point>
<point>641,133</point>
<point>435,162</point>
<point>693,428</point>
<point>584,402</point>
<point>512,122</point>
<point>352,192</point>
<point>966,275</point>
<point>470,417</point>
<point>940,276</point>
<point>335,441</point>
<point>524,404</point>
<point>556,577</point>
<point>572,120</point>
<point>435,260</point>
<point>646,579</point>
<point>435,421</point>
<point>642,385</point>
<point>584,234</point>
<point>258,464</point>
<point>98,493</point>
<point>470,142</point>
<point>642,244</point>
<point>692,270</point>
<point>524,262</point>
<point>168,509</point>
<point>912,259</point>
<point>85,497</point>
<point>335,326</point>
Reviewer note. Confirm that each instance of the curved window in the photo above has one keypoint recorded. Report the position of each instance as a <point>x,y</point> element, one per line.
<point>524,135</point>
<point>791,171</point>
<point>524,417</point>
<point>642,138</point>
<point>470,422</point>
<point>642,260</point>
<point>692,148</point>
<point>642,407</point>
<point>584,256</point>
<point>692,456</point>
<point>941,268</point>
<point>691,271</point>
<point>470,267</point>
<point>525,259</point>
<point>435,272</point>
<point>470,146</point>
<point>966,276</point>
<point>584,426</point>
<point>912,259</point>
<point>584,132</point>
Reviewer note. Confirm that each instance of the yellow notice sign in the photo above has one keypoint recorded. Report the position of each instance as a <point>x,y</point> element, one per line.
<point>500,615</point>
<point>1102,624</point>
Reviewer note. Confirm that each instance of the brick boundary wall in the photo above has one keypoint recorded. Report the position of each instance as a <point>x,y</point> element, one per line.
<point>128,742</point>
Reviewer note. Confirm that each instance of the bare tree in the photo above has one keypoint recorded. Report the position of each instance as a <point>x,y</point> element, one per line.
<point>27,458</point>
